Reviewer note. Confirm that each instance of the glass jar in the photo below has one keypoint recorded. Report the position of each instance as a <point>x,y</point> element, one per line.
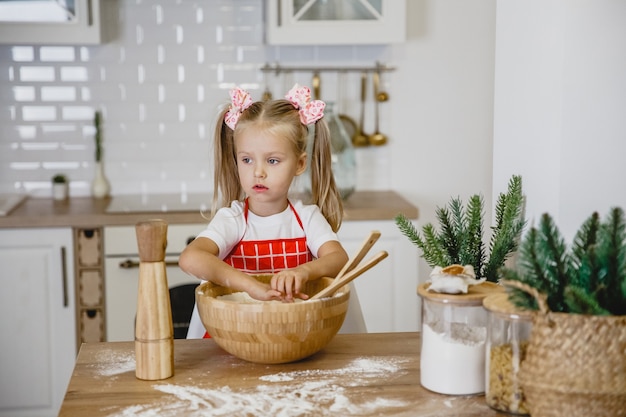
<point>454,333</point>
<point>508,334</point>
<point>343,159</point>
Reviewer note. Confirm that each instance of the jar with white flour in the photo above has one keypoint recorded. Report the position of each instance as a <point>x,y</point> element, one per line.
<point>454,333</point>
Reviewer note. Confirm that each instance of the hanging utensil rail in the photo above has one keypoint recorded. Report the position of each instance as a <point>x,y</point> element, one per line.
<point>277,68</point>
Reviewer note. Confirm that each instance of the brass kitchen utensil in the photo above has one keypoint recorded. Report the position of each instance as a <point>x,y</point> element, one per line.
<point>377,138</point>
<point>381,96</point>
<point>350,276</point>
<point>360,138</point>
<point>316,83</point>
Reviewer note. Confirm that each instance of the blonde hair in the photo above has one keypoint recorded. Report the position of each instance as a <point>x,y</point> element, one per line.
<point>281,119</point>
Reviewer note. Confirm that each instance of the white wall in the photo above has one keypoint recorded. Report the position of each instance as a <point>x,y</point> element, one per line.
<point>560,106</point>
<point>443,114</point>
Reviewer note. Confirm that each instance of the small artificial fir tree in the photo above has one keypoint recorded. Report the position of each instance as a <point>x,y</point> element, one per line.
<point>589,278</point>
<point>460,240</point>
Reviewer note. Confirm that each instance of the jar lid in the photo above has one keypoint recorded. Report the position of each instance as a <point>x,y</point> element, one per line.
<point>501,305</point>
<point>475,294</point>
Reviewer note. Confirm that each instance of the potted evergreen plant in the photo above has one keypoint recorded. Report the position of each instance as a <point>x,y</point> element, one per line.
<point>575,363</point>
<point>60,187</point>
<point>459,239</point>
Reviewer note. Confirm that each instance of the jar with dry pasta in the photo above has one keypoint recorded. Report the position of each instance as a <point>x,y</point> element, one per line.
<point>508,332</point>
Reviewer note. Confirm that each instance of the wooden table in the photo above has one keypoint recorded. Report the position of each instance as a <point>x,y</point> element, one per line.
<point>356,374</point>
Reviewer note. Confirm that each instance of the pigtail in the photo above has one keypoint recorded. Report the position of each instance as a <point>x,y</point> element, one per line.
<point>325,193</point>
<point>226,184</point>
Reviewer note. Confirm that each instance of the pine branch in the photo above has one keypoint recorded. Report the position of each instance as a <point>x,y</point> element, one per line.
<point>579,301</point>
<point>448,220</point>
<point>517,297</point>
<point>612,253</point>
<point>430,243</point>
<point>473,249</point>
<point>584,269</point>
<point>509,224</point>
<point>552,251</point>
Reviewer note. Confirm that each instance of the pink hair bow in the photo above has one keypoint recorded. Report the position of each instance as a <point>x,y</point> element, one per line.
<point>240,100</point>
<point>310,111</point>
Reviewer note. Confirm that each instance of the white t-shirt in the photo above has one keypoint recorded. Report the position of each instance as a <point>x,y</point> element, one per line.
<point>229,226</point>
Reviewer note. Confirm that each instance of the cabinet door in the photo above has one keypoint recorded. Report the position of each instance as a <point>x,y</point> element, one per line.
<point>388,292</point>
<point>338,22</point>
<point>37,320</point>
<point>50,22</point>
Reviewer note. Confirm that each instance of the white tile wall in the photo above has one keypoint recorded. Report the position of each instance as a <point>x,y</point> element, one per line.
<point>158,81</point>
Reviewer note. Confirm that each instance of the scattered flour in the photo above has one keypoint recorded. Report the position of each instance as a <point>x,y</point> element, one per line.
<point>114,363</point>
<point>309,396</point>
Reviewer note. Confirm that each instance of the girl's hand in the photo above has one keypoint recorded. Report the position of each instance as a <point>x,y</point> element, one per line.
<point>290,283</point>
<point>263,292</point>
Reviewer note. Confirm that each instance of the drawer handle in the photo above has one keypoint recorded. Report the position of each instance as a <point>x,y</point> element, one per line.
<point>64,276</point>
<point>130,264</point>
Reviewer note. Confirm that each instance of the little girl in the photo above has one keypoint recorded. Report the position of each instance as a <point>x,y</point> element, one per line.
<point>260,147</point>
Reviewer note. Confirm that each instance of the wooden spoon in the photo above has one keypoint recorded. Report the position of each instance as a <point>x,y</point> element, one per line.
<point>358,257</point>
<point>340,282</point>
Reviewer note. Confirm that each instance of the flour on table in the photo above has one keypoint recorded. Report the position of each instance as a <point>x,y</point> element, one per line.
<point>308,392</point>
<point>112,363</point>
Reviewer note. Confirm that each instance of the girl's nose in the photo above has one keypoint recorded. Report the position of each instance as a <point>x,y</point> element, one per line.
<point>259,172</point>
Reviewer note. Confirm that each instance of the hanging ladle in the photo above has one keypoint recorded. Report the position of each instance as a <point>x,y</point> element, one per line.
<point>360,138</point>
<point>381,96</point>
<point>377,138</point>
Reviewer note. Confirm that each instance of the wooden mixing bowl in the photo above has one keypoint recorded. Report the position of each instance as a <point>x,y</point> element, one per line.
<point>272,331</point>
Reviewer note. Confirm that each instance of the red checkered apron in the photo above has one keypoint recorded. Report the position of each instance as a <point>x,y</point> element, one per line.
<point>268,256</point>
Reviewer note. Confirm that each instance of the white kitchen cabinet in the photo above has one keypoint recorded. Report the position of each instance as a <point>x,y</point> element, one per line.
<point>37,320</point>
<point>50,22</point>
<point>338,22</point>
<point>388,292</point>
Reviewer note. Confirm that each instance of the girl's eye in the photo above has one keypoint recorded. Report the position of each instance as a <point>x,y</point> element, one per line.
<point>246,160</point>
<point>272,161</point>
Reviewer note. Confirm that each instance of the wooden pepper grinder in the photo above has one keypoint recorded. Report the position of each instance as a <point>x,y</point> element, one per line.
<point>154,332</point>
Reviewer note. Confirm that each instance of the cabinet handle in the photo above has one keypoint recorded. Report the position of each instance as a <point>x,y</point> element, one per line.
<point>64,276</point>
<point>130,264</point>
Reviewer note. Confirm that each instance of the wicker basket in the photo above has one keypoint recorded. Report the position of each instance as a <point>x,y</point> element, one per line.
<point>272,332</point>
<point>575,365</point>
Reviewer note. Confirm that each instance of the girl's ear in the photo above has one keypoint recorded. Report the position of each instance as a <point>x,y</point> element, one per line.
<point>301,167</point>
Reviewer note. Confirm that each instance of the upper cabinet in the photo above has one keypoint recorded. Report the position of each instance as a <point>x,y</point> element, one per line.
<point>50,22</point>
<point>337,22</point>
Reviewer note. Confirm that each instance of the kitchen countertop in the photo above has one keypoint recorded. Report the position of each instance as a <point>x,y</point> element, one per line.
<point>356,374</point>
<point>90,212</point>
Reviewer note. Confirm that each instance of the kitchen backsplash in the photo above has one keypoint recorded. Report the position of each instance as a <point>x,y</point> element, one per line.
<point>159,80</point>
